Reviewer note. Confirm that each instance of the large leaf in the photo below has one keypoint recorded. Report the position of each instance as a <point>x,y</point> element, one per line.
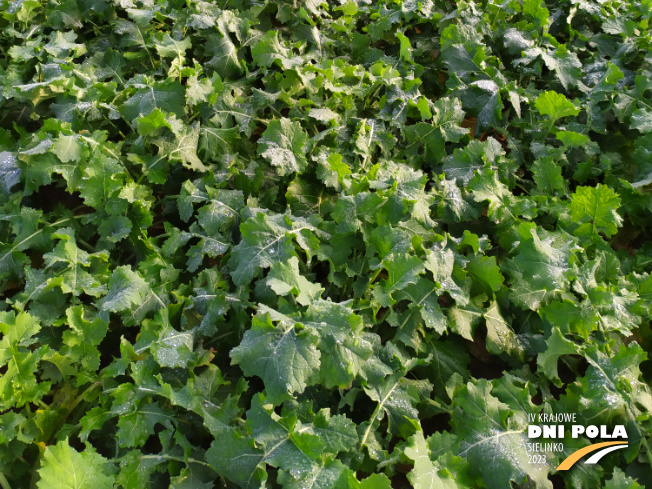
<point>264,242</point>
<point>168,97</point>
<point>283,356</point>
<point>283,144</point>
<point>490,438</point>
<point>540,267</point>
<point>63,467</point>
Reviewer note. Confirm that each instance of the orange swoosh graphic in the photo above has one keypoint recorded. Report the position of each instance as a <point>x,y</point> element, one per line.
<point>575,456</point>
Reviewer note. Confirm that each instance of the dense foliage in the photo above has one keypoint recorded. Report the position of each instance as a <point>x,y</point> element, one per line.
<point>312,244</point>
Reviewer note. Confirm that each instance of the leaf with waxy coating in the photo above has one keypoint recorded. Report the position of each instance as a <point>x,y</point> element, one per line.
<point>283,356</point>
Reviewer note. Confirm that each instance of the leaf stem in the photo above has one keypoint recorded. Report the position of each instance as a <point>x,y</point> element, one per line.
<point>4,482</point>
<point>552,124</point>
<point>87,245</point>
<point>72,407</point>
<point>371,423</point>
<point>189,460</point>
<point>37,232</point>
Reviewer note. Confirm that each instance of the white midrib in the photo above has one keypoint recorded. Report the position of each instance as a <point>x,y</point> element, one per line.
<point>490,438</point>
<point>373,417</point>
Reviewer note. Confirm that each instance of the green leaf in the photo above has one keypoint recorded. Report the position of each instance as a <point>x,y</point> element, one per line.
<point>17,331</point>
<point>167,96</point>
<point>540,267</point>
<point>447,271</point>
<point>62,44</point>
<point>18,383</point>
<point>555,105</point>
<point>153,121</point>
<point>486,186</point>
<point>452,205</point>
<point>332,475</point>
<point>536,9</point>
<point>67,148</point>
<point>402,269</point>
<point>225,59</point>
<point>136,427</point>
<point>137,469</point>
<point>572,139</point>
<point>424,296</point>
<point>102,179</point>
<point>83,338</point>
<point>76,277</point>
<point>284,279</point>
<point>445,127</point>
<point>172,348</point>
<point>571,318</point>
<point>337,433</point>
<point>489,438</point>
<point>642,120</point>
<point>351,211</point>
<point>547,176</point>
<point>9,172</point>
<point>284,357</point>
<point>485,271</point>
<point>218,144</point>
<point>613,392</point>
<point>115,229</point>
<point>167,47</point>
<point>283,144</point>
<point>126,288</point>
<point>236,458</point>
<point>343,344</point>
<point>183,147</point>
<point>463,163</point>
<point>280,442</point>
<point>397,397</point>
<point>482,99</point>
<point>556,346</point>
<point>621,481</point>
<point>63,467</point>
<point>594,209</point>
<point>133,34</point>
<point>566,65</point>
<point>269,49</point>
<point>424,475</point>
<point>198,91</point>
<point>448,359</point>
<point>462,48</point>
<point>374,481</point>
<point>264,242</point>
<point>500,336</point>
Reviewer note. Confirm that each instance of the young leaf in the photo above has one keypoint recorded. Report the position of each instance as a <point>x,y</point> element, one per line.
<point>63,467</point>
<point>555,105</point>
<point>556,346</point>
<point>594,209</point>
<point>284,278</point>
